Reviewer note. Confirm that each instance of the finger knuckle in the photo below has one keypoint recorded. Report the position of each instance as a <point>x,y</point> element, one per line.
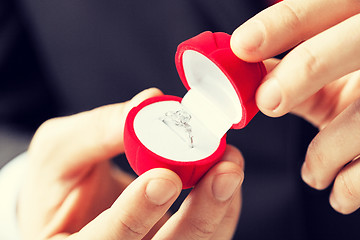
<point>311,63</point>
<point>315,156</point>
<point>47,133</point>
<point>45,128</point>
<point>107,135</point>
<point>318,165</point>
<point>347,186</point>
<point>202,228</point>
<point>132,226</point>
<point>292,14</point>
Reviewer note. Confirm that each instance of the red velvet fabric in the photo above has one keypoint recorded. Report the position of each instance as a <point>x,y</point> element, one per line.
<point>245,78</point>
<point>142,159</point>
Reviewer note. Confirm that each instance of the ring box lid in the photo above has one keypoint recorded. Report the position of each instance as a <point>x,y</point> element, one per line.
<point>221,87</point>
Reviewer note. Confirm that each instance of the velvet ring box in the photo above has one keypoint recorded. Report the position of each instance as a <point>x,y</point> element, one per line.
<point>188,135</point>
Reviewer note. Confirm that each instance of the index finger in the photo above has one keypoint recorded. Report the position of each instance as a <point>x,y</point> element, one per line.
<point>212,208</point>
<point>79,141</point>
<point>286,24</point>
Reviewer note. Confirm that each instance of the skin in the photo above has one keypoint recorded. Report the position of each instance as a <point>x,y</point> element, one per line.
<point>72,191</point>
<point>319,80</point>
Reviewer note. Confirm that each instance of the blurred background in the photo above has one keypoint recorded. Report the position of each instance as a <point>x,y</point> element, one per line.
<point>62,57</point>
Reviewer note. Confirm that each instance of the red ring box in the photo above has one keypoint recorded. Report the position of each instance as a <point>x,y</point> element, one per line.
<point>221,95</point>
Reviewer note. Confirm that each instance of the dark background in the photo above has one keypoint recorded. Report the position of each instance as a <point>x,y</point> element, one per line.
<point>64,57</point>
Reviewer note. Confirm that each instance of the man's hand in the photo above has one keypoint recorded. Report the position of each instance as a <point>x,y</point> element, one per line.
<point>318,80</point>
<point>72,191</point>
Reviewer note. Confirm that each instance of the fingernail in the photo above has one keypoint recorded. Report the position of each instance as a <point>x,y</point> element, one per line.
<point>160,191</point>
<point>269,95</point>
<point>306,175</point>
<point>249,36</point>
<point>224,185</point>
<point>231,157</point>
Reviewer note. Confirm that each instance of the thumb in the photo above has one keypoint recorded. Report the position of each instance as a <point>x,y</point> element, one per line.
<point>137,210</point>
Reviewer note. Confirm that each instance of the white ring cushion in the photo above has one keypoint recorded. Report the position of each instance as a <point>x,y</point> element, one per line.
<point>211,101</point>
